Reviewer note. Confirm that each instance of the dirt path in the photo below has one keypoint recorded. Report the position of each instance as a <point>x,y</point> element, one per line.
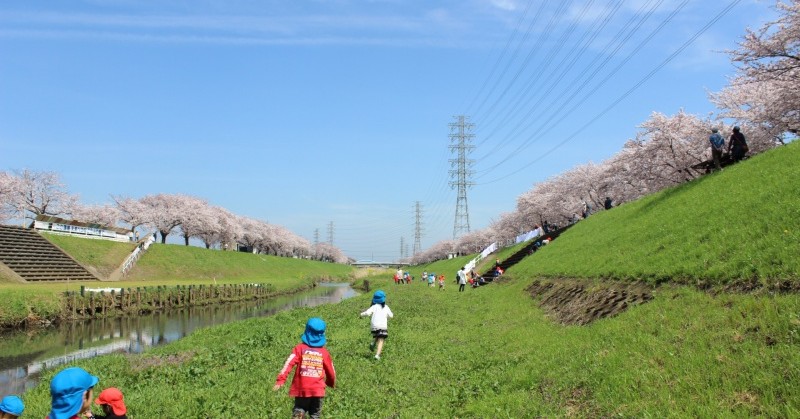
<point>572,302</point>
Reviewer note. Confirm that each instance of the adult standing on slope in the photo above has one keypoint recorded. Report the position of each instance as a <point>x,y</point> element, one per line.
<point>717,146</point>
<point>462,279</point>
<point>737,145</point>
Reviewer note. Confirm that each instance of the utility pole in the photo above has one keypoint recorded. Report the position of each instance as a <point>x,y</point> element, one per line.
<point>461,170</point>
<point>316,236</point>
<point>330,233</point>
<point>402,246</point>
<point>417,228</point>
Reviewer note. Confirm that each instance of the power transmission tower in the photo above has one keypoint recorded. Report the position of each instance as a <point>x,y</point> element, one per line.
<point>330,233</point>
<point>402,246</point>
<point>417,228</point>
<point>461,170</point>
<point>316,236</point>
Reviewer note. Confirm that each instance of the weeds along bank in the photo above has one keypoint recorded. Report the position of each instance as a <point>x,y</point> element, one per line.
<point>163,276</point>
<point>486,352</point>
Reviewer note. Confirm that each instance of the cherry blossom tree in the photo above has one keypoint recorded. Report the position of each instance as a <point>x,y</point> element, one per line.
<point>41,193</point>
<point>329,253</point>
<point>671,145</point>
<point>474,241</point>
<point>508,226</point>
<point>131,211</point>
<point>223,229</point>
<point>106,215</point>
<point>766,90</point>
<point>9,193</point>
<point>162,212</point>
<point>438,251</point>
<point>194,216</point>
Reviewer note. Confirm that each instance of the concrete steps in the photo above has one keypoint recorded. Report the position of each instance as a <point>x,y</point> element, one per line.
<point>34,258</point>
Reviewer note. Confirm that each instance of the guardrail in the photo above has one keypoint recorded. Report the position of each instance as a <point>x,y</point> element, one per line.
<point>130,261</point>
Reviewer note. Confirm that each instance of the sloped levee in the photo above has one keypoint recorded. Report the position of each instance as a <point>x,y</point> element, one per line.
<point>34,258</point>
<point>578,304</point>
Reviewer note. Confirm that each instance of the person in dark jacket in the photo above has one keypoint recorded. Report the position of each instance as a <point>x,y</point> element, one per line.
<point>737,145</point>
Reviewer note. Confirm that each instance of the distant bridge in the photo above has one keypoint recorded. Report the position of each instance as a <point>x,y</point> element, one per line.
<point>374,264</point>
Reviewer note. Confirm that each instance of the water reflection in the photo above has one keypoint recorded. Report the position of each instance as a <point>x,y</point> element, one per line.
<point>24,354</point>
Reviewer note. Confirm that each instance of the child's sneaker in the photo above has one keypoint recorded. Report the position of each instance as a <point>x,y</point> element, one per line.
<point>372,346</point>
<point>378,357</point>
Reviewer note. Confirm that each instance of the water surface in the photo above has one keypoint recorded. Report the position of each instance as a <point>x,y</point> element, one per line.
<point>23,354</point>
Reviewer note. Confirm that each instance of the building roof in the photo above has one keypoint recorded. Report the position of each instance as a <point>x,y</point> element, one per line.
<point>64,221</point>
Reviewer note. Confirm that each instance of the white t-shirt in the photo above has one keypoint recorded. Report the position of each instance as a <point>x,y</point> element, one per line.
<point>380,316</point>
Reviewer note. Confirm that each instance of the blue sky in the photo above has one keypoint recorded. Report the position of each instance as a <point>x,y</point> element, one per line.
<point>302,113</point>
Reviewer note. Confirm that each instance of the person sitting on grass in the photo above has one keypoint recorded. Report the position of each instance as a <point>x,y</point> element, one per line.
<point>379,322</point>
<point>314,371</point>
<point>112,403</point>
<point>11,407</point>
<point>71,393</point>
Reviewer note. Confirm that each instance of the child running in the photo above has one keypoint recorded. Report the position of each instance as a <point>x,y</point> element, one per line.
<point>314,371</point>
<point>379,322</point>
<point>441,282</point>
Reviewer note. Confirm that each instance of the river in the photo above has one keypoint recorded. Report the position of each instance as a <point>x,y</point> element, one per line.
<point>24,354</point>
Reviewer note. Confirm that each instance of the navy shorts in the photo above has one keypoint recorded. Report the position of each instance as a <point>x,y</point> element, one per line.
<point>380,333</point>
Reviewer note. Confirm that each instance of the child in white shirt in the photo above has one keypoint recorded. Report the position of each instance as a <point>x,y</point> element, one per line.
<point>379,322</point>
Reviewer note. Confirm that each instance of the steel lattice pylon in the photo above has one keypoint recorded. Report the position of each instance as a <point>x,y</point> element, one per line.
<point>461,170</point>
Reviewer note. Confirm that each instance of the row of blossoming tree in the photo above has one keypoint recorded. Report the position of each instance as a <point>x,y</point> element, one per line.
<point>27,194</point>
<point>763,98</point>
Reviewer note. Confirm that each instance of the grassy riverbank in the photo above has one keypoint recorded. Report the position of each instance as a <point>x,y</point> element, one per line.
<point>101,256</point>
<point>166,265</point>
<point>487,352</point>
<point>492,352</point>
<point>740,225</point>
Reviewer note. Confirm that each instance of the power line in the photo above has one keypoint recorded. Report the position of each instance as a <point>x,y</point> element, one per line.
<point>627,93</point>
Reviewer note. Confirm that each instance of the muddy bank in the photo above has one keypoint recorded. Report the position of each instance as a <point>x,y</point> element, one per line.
<point>573,302</point>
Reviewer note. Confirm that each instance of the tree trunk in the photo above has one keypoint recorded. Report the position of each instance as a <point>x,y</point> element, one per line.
<point>163,236</point>
<point>186,239</point>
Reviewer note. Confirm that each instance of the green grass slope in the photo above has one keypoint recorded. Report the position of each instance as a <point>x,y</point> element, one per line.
<point>742,224</point>
<point>104,256</point>
<point>167,262</point>
<point>484,353</point>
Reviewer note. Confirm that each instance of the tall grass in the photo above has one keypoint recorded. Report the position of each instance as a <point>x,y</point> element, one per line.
<point>742,224</point>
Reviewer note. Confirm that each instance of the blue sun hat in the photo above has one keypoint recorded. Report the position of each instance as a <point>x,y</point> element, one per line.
<point>67,389</point>
<point>13,405</point>
<point>314,336</point>
<point>379,297</point>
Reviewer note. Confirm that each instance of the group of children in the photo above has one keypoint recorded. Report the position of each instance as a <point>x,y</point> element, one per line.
<point>433,279</point>
<point>71,389</point>
<point>401,277</point>
<point>314,370</point>
<point>71,393</point>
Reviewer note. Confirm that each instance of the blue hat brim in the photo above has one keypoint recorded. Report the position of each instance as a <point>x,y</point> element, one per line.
<point>13,405</point>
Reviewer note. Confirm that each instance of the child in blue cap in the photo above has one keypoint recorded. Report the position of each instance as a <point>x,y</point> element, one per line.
<point>314,371</point>
<point>379,322</point>
<point>11,407</point>
<point>71,393</point>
